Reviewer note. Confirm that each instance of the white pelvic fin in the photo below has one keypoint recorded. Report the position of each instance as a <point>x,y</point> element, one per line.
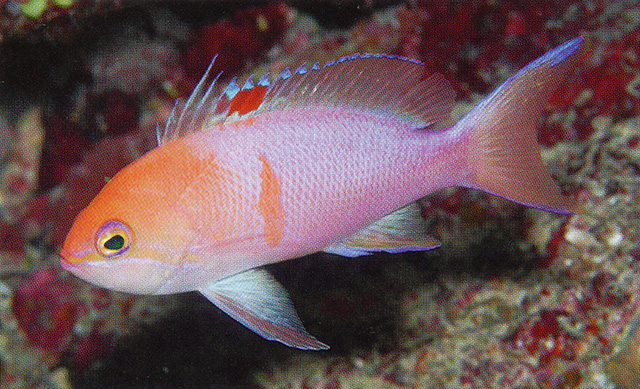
<point>257,300</point>
<point>400,231</point>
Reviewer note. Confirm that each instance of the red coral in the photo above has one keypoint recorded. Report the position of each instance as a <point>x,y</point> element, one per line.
<point>553,247</point>
<point>46,308</point>
<point>545,338</point>
<point>605,83</point>
<point>610,81</point>
<point>516,25</point>
<point>245,37</point>
<point>604,290</point>
<point>63,148</point>
<point>113,112</point>
<point>89,349</point>
<point>11,240</point>
<point>469,41</point>
<point>68,138</point>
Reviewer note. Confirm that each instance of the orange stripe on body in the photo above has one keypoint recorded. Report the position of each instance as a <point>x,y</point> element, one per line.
<point>270,205</point>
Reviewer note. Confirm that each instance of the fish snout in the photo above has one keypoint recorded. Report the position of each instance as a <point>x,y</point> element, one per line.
<point>64,253</point>
<point>64,259</point>
<point>69,260</point>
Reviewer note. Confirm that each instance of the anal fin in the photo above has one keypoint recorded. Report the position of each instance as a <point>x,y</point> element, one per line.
<point>258,301</point>
<point>400,231</point>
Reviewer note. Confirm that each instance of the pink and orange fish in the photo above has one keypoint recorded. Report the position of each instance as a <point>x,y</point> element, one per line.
<point>325,159</point>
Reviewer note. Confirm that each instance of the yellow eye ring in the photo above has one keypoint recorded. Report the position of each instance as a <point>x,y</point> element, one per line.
<point>113,239</point>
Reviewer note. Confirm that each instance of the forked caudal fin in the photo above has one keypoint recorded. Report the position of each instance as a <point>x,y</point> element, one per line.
<point>504,156</point>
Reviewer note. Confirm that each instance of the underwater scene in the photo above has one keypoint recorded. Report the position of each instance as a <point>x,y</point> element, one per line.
<point>338,194</point>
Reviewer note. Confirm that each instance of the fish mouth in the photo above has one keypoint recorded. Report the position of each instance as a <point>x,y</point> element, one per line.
<point>64,253</point>
<point>66,264</point>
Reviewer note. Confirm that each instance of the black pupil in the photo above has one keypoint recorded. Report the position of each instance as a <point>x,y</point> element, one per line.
<point>116,242</point>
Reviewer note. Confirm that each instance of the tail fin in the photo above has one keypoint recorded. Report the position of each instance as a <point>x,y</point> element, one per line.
<point>504,156</point>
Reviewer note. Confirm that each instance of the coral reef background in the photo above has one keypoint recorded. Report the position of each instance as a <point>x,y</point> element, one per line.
<point>515,297</point>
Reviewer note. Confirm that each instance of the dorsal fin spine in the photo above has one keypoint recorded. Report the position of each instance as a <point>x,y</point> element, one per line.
<point>286,73</point>
<point>206,105</point>
<point>195,98</point>
<point>232,89</point>
<point>264,81</point>
<point>248,84</point>
<point>386,84</point>
<point>159,131</point>
<point>189,116</point>
<point>170,127</point>
<point>302,69</point>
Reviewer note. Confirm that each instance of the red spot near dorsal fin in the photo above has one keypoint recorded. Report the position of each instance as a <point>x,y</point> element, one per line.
<point>247,100</point>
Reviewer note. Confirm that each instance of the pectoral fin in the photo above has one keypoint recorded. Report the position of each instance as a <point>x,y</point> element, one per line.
<point>399,231</point>
<point>257,300</point>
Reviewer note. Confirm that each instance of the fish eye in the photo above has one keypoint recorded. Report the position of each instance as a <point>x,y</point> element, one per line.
<point>113,239</point>
<point>114,243</point>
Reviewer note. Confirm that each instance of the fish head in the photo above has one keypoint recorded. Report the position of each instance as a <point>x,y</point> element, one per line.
<point>131,237</point>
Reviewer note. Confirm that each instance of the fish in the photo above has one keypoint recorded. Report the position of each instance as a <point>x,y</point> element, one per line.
<point>330,158</point>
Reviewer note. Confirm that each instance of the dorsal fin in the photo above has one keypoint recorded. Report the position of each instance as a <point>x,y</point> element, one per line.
<point>389,85</point>
<point>190,116</point>
<point>374,82</point>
